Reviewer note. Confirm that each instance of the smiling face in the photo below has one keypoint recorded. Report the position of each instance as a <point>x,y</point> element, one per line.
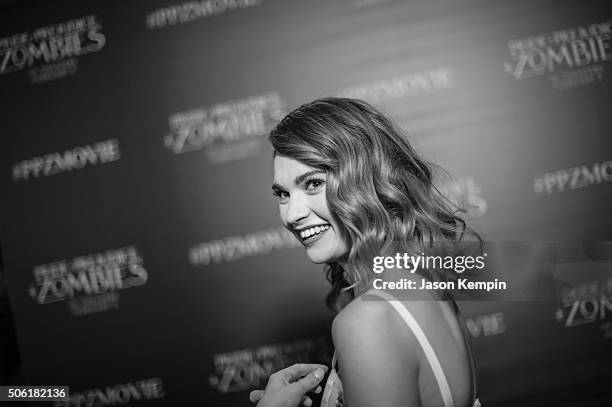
<point>303,209</point>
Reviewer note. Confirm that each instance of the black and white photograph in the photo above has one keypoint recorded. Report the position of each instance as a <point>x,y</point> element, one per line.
<point>304,203</point>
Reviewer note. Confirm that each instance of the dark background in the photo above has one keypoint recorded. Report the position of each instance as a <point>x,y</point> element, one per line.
<point>530,158</point>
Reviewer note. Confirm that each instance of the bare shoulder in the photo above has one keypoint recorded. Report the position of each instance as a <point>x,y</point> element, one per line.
<point>378,316</point>
<point>364,319</point>
<point>378,363</point>
<point>381,360</point>
<point>358,314</point>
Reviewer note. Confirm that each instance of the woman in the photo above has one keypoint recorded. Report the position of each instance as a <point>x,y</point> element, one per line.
<point>350,187</point>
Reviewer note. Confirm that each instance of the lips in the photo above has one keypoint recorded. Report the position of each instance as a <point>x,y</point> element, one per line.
<point>312,233</point>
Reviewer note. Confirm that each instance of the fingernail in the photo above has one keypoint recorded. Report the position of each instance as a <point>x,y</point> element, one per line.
<point>319,373</point>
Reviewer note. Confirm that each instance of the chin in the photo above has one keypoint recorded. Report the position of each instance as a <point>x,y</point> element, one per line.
<point>318,258</point>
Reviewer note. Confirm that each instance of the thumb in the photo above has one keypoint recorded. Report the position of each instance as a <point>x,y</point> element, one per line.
<point>311,380</point>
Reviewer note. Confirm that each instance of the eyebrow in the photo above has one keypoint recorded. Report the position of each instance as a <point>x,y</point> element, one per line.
<point>299,179</point>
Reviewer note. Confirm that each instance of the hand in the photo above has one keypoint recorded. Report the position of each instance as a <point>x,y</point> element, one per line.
<point>288,387</point>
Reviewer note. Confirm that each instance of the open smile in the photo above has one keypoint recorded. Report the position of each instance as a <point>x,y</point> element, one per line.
<point>312,234</point>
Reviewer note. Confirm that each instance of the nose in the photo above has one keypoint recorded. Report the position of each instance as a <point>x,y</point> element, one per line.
<point>297,209</point>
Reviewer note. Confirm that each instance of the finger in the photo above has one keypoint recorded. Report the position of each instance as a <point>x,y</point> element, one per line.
<point>311,380</point>
<point>306,401</point>
<point>298,370</point>
<point>256,395</point>
<point>318,390</point>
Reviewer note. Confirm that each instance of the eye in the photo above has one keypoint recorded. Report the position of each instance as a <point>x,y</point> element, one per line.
<point>314,184</point>
<point>283,196</point>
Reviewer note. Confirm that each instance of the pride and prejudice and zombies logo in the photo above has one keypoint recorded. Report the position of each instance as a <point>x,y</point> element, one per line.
<point>90,283</point>
<point>587,303</point>
<point>225,131</point>
<point>51,52</point>
<point>250,368</point>
<point>570,57</point>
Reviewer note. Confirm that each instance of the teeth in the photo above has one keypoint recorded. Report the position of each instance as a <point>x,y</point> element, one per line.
<point>312,231</point>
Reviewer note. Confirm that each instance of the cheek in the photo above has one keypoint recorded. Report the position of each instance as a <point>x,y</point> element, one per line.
<point>319,205</point>
<point>282,212</point>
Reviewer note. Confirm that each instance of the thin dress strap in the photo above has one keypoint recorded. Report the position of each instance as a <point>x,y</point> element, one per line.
<point>425,345</point>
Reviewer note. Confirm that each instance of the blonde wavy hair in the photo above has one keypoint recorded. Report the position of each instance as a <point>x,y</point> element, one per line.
<point>378,188</point>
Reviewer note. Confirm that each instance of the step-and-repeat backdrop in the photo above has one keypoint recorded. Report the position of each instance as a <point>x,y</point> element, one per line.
<point>144,254</point>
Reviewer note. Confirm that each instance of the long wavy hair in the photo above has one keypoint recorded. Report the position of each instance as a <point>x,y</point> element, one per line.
<point>378,188</point>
